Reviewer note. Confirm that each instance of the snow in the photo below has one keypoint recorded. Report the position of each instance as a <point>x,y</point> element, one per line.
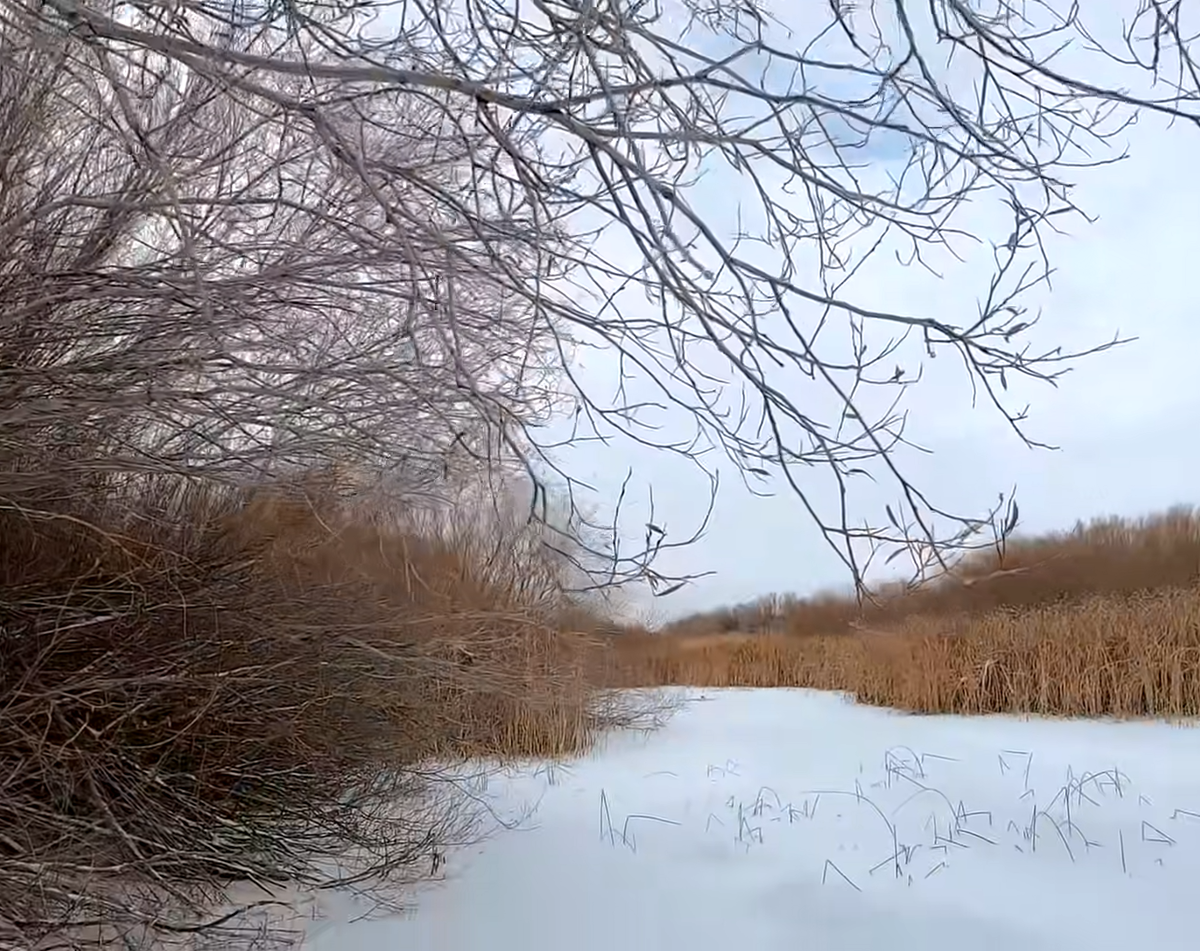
<point>766,819</point>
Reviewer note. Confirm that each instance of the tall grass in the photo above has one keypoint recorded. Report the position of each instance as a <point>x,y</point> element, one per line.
<point>1112,556</point>
<point>1102,620</point>
<point>208,687</point>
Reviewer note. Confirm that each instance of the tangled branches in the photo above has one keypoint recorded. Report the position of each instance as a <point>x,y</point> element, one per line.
<point>242,696</point>
<point>581,130</point>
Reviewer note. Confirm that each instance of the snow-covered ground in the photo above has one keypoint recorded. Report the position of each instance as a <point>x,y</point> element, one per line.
<point>763,819</point>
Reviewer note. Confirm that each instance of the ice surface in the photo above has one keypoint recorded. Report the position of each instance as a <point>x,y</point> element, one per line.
<point>764,819</point>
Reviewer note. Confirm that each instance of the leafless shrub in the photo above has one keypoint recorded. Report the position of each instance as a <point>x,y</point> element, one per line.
<point>191,285</point>
<point>251,690</point>
<point>216,668</point>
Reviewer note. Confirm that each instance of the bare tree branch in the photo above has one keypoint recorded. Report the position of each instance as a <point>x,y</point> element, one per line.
<point>565,140</point>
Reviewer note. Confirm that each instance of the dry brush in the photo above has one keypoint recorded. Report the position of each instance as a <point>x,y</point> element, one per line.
<point>264,689</point>
<point>1103,620</point>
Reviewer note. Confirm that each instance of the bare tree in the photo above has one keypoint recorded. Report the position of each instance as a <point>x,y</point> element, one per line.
<point>201,290</point>
<point>580,128</point>
<point>201,283</point>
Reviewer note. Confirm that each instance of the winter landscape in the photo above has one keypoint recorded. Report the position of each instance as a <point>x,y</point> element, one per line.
<point>660,474</point>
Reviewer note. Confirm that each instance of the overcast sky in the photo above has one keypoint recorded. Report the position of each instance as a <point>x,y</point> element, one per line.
<point>1125,420</point>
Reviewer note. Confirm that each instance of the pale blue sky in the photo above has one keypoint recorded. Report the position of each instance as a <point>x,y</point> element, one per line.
<point>1125,419</point>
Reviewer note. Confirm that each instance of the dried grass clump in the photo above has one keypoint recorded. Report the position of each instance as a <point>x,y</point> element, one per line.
<point>199,688</point>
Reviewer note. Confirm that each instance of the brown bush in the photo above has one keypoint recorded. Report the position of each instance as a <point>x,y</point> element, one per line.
<point>207,687</point>
<point>201,286</point>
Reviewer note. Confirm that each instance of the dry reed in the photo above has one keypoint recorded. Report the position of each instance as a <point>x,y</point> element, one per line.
<point>1100,621</point>
<point>210,688</point>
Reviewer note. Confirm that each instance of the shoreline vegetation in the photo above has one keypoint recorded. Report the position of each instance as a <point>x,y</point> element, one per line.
<point>199,688</point>
<point>1099,620</point>
<point>221,680</point>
